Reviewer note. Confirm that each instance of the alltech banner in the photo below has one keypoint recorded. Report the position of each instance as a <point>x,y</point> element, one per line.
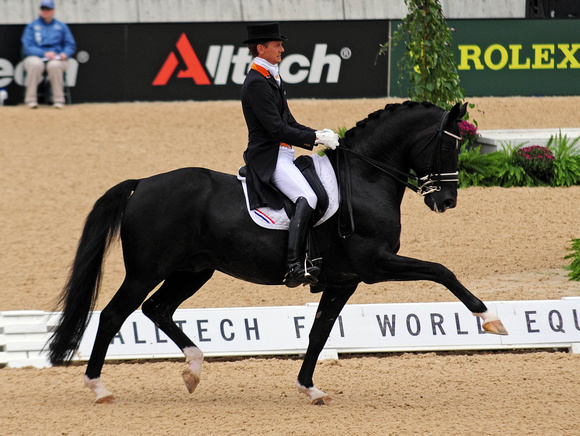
<point>360,328</point>
<point>511,57</point>
<point>206,61</point>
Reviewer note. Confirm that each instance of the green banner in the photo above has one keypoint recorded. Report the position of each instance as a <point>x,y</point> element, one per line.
<point>509,57</point>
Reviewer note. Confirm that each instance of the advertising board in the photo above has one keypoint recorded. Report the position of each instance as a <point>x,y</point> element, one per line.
<point>322,59</point>
<point>206,61</point>
<point>510,57</point>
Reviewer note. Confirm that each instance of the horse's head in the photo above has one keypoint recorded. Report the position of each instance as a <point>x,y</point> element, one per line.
<point>410,135</point>
<point>434,161</point>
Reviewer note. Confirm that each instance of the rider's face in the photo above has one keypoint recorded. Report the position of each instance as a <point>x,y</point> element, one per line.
<point>271,51</point>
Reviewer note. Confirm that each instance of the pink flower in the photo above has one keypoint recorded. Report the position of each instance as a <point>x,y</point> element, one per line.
<point>467,130</point>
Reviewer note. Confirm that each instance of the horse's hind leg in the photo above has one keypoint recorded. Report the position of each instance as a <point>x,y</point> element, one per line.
<point>127,299</point>
<point>160,309</point>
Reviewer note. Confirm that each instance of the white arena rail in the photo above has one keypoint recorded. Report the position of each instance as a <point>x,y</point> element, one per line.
<point>494,140</point>
<point>361,328</point>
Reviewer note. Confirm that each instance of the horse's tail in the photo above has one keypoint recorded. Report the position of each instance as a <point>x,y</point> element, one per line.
<point>79,295</point>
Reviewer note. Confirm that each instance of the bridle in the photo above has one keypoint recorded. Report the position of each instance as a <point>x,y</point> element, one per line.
<point>423,186</point>
<point>427,184</point>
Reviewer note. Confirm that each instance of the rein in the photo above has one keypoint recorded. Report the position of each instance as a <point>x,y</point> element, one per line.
<point>424,185</point>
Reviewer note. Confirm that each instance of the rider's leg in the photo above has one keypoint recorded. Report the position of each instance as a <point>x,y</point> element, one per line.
<point>290,181</point>
<point>298,271</point>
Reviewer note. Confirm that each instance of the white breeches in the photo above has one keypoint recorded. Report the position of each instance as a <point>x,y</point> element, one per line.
<point>290,181</point>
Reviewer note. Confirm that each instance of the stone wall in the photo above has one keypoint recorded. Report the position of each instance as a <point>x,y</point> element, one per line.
<point>152,11</point>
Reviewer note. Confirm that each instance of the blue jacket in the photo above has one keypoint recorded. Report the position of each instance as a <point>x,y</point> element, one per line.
<point>40,37</point>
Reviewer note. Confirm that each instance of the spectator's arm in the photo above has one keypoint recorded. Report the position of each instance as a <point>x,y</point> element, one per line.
<point>70,45</point>
<point>29,46</point>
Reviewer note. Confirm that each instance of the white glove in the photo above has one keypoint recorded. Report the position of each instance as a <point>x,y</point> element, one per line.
<point>327,138</point>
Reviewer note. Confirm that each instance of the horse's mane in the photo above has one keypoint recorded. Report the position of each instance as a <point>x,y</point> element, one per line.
<point>389,109</point>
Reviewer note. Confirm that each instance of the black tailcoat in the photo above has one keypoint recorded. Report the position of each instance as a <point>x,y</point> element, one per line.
<point>269,123</point>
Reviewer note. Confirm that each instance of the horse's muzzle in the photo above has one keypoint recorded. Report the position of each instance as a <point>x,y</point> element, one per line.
<point>441,201</point>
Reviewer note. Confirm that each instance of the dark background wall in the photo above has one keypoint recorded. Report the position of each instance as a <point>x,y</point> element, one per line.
<point>323,59</point>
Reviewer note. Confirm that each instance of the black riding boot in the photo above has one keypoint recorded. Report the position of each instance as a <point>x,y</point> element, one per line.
<point>299,273</point>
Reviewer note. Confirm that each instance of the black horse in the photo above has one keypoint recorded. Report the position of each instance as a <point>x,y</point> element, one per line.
<point>179,227</point>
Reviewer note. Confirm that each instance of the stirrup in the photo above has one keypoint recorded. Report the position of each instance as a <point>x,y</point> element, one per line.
<point>311,271</point>
<point>301,274</point>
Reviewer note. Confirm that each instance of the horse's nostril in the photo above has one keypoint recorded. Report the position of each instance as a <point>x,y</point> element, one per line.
<point>450,203</point>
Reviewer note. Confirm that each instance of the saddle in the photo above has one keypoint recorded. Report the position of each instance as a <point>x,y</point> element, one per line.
<point>319,173</point>
<point>306,167</point>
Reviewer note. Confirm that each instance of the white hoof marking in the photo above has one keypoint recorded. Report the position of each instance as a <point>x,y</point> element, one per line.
<point>313,393</point>
<point>194,359</point>
<point>487,316</point>
<point>96,385</point>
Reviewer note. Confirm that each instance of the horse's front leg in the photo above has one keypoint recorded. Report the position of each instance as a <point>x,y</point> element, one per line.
<point>331,303</point>
<point>409,269</point>
<point>491,323</point>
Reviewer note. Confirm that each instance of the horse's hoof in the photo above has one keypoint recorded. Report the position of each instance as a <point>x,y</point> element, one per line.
<point>107,399</point>
<point>191,380</point>
<point>495,327</point>
<point>322,401</point>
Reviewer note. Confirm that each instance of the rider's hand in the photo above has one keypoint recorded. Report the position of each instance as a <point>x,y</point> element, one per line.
<point>327,138</point>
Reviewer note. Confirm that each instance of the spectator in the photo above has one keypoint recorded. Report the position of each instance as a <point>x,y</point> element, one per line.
<point>47,44</point>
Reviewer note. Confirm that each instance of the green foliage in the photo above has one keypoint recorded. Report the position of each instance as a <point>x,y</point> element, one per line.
<point>428,62</point>
<point>567,160</point>
<point>477,169</point>
<point>341,131</point>
<point>511,167</point>
<point>492,169</point>
<point>574,267</point>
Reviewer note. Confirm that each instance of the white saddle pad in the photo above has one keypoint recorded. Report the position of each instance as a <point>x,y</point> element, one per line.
<point>278,219</point>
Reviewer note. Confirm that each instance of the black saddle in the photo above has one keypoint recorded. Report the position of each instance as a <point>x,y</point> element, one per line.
<point>306,166</point>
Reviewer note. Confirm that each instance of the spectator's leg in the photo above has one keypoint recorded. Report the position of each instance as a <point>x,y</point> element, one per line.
<point>34,67</point>
<point>55,71</point>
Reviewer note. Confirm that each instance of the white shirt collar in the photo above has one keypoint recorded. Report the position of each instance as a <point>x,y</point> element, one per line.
<point>272,69</point>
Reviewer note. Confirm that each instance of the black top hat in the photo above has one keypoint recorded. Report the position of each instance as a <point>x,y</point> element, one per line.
<point>264,32</point>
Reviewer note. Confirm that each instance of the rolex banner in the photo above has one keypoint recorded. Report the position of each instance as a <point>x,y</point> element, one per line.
<point>510,57</point>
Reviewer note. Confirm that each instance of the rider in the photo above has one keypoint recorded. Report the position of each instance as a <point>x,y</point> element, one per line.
<point>269,158</point>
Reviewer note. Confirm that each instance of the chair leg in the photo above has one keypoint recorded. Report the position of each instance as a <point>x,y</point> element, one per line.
<point>67,93</point>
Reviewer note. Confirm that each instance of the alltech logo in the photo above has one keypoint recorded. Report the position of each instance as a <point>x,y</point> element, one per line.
<point>224,63</point>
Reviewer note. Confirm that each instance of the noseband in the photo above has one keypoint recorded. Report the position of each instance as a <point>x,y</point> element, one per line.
<point>425,185</point>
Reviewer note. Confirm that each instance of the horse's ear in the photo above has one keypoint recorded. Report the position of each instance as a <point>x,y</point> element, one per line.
<point>458,111</point>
